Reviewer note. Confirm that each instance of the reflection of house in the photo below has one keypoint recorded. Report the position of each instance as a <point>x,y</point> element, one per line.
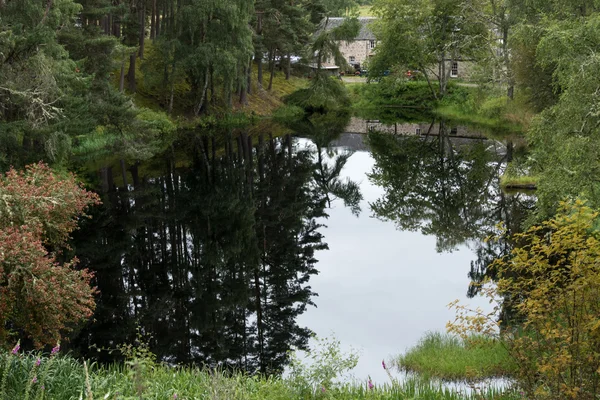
<point>358,125</point>
<point>361,48</point>
<point>330,69</point>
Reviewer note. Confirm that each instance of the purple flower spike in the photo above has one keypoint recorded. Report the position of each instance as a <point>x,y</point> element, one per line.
<point>34,380</point>
<point>175,396</point>
<point>371,386</point>
<point>38,362</point>
<point>55,349</point>
<point>383,364</point>
<point>15,349</point>
<point>323,389</point>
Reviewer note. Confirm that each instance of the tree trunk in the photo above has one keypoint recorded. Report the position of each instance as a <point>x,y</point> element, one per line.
<point>201,102</point>
<point>248,87</point>
<point>259,78</point>
<point>142,31</point>
<point>272,69</point>
<point>131,73</point>
<point>213,98</point>
<point>243,91</point>
<point>153,21</point>
<point>163,19</point>
<point>288,67</point>
<point>124,174</point>
<point>122,78</point>
<point>116,26</point>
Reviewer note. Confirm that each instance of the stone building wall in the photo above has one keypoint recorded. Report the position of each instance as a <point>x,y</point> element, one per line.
<point>359,49</point>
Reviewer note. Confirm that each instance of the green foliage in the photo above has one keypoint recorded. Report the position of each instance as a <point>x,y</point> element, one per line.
<point>424,35</point>
<point>547,290</point>
<point>396,93</point>
<point>327,365</point>
<point>451,358</point>
<point>564,137</point>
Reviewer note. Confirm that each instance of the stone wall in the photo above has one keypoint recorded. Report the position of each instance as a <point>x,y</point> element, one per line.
<point>359,49</point>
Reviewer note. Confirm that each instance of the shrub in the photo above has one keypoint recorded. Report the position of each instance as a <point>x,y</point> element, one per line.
<point>548,294</point>
<point>38,295</point>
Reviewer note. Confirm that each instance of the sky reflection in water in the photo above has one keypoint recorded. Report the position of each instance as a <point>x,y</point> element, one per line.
<point>380,289</point>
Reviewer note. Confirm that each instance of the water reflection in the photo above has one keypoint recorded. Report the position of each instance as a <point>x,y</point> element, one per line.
<point>212,261</point>
<point>211,249</point>
<point>447,186</point>
<point>436,184</point>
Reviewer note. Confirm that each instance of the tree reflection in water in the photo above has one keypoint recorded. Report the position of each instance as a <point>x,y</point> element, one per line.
<point>212,261</point>
<point>448,188</point>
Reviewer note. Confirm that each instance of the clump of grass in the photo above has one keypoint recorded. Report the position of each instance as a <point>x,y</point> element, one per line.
<point>449,358</point>
<point>527,182</point>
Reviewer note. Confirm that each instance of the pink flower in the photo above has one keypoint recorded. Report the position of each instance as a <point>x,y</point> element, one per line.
<point>15,349</point>
<point>323,389</point>
<point>383,364</point>
<point>371,386</point>
<point>38,362</point>
<point>34,380</point>
<point>55,349</point>
<point>175,395</point>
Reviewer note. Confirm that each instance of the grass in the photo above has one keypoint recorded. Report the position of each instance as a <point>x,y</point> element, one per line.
<point>365,11</point>
<point>518,182</point>
<point>263,102</point>
<point>449,358</point>
<point>65,379</point>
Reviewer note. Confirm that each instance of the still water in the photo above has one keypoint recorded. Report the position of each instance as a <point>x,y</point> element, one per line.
<point>231,253</point>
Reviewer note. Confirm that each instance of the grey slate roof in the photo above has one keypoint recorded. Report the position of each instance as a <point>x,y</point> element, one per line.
<point>365,32</point>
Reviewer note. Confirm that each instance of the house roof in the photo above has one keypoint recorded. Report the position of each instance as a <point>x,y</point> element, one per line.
<point>365,32</point>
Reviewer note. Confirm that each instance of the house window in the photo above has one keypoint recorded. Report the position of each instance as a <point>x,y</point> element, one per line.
<point>352,59</point>
<point>418,131</point>
<point>454,131</point>
<point>454,69</point>
<point>371,44</point>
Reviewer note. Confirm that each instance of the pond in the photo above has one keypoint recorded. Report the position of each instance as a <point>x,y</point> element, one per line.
<point>231,249</point>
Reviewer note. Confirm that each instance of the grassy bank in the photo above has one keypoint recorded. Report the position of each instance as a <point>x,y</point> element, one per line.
<point>64,378</point>
<point>489,111</point>
<point>518,182</point>
<point>451,359</point>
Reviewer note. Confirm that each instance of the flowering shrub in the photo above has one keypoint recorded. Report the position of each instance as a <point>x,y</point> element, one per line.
<point>38,295</point>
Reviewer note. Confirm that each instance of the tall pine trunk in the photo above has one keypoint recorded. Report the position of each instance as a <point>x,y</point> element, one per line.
<point>249,88</point>
<point>122,77</point>
<point>153,21</point>
<point>131,73</point>
<point>288,67</point>
<point>142,31</point>
<point>271,68</point>
<point>259,78</point>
